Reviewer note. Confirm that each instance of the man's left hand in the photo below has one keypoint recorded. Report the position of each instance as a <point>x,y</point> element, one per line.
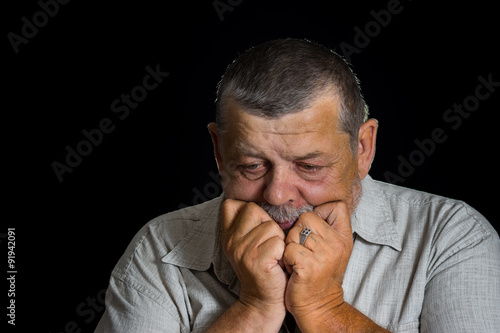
<point>317,268</point>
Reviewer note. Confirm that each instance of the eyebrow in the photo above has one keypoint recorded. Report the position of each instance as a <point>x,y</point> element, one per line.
<point>246,151</point>
<point>314,154</point>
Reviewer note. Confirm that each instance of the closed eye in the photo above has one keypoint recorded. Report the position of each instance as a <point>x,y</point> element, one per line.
<point>310,167</point>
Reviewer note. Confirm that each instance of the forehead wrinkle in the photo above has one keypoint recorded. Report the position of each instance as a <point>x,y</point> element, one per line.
<point>311,155</point>
<point>275,131</point>
<point>245,149</point>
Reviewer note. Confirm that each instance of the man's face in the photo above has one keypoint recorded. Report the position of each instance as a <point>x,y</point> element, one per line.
<point>299,160</point>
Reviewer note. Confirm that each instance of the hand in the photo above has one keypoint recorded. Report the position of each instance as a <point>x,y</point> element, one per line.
<point>317,268</point>
<point>253,244</point>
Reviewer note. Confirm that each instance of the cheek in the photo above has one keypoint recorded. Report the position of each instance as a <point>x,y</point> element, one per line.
<point>241,189</point>
<point>337,186</point>
<point>320,192</point>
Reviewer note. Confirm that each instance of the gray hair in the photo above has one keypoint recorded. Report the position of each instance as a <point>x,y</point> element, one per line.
<point>284,76</point>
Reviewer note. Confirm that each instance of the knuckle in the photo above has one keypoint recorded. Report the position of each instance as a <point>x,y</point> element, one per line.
<point>308,219</point>
<point>308,215</point>
<point>228,245</point>
<point>240,253</point>
<point>227,204</point>
<point>278,243</point>
<point>270,224</point>
<point>232,206</point>
<point>274,229</point>
<point>252,208</point>
<point>340,247</point>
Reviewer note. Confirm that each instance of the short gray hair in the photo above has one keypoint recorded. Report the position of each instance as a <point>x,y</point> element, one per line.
<point>284,76</point>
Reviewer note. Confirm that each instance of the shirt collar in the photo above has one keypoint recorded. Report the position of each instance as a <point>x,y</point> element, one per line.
<point>195,250</point>
<point>222,267</point>
<point>372,219</point>
<point>201,247</point>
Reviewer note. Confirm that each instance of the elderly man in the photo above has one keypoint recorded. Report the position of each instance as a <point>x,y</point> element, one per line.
<point>303,239</point>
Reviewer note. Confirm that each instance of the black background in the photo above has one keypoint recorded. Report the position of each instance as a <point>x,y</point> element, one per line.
<point>70,234</point>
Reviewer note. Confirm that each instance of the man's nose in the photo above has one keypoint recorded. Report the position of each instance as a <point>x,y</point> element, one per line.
<point>280,187</point>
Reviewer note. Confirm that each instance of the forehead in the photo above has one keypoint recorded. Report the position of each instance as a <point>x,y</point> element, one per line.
<point>307,131</point>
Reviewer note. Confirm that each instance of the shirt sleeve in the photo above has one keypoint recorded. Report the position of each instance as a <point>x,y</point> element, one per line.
<point>463,286</point>
<point>129,310</point>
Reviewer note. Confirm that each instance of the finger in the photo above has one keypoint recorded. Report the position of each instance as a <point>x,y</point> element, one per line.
<point>262,233</point>
<point>261,249</point>
<point>327,211</point>
<point>295,257</point>
<point>239,217</point>
<point>337,215</point>
<point>273,249</point>
<point>229,210</point>
<point>312,242</point>
<point>307,220</point>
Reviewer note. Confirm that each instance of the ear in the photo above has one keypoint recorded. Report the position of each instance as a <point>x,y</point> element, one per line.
<point>366,146</point>
<point>214,133</point>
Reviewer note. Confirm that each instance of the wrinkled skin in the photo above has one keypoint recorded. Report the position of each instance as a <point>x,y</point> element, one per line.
<point>299,159</point>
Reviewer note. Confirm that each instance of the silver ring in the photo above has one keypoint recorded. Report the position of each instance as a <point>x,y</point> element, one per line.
<point>303,235</point>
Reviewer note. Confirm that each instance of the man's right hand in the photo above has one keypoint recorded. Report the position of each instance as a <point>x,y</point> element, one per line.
<point>253,244</point>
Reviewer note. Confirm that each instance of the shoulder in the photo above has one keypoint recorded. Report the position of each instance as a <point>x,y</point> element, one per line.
<point>439,219</point>
<point>414,202</point>
<point>146,290</point>
<point>162,234</point>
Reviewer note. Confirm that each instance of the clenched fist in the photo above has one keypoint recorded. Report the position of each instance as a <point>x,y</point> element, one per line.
<point>317,268</point>
<point>253,244</point>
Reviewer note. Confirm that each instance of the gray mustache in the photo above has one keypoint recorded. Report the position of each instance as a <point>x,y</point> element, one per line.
<point>285,213</point>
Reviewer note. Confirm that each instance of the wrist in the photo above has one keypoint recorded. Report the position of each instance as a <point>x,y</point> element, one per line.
<point>317,320</point>
<point>340,318</point>
<point>316,307</point>
<point>241,317</point>
<point>314,318</point>
<point>262,317</point>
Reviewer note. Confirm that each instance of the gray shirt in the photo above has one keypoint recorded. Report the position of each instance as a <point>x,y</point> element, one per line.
<point>420,263</point>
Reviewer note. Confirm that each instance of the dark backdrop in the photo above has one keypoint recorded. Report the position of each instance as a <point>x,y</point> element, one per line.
<point>70,67</point>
